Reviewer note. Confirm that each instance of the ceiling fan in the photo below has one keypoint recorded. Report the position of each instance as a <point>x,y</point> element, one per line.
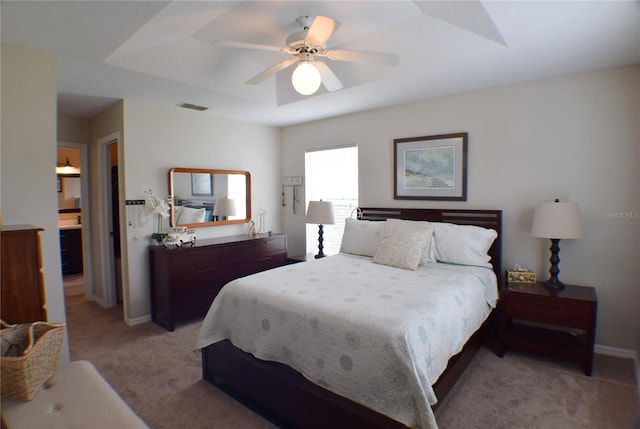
<point>306,46</point>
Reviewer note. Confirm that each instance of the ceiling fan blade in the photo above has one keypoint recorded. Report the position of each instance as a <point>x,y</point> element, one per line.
<point>329,79</point>
<point>368,57</point>
<point>320,31</point>
<point>270,71</point>
<point>244,45</point>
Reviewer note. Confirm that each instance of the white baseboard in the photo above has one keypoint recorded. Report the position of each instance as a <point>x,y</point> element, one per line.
<point>616,351</point>
<point>137,320</point>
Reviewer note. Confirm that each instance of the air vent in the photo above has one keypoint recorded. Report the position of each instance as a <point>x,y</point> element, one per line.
<point>193,107</point>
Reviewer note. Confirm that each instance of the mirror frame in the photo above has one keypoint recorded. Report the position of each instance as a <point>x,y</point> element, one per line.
<point>59,177</point>
<point>247,217</point>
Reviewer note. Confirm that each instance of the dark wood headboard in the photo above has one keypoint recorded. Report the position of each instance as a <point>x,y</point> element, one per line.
<point>196,204</point>
<point>485,218</point>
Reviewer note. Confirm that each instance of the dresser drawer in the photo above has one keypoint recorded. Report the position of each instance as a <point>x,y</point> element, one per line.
<point>210,275</point>
<point>573,313</point>
<point>238,250</point>
<point>199,257</point>
<point>270,245</point>
<point>195,303</point>
<point>266,262</point>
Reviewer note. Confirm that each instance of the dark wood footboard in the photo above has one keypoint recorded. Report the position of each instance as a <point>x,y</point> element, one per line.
<point>283,396</point>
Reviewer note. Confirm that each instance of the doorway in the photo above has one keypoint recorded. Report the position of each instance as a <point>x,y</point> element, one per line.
<point>115,219</point>
<point>74,227</point>
<point>109,292</point>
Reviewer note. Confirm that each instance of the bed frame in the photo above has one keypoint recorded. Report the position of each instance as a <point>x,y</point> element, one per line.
<point>285,397</point>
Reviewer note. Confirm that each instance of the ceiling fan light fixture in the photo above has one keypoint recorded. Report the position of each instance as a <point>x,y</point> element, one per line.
<point>306,77</point>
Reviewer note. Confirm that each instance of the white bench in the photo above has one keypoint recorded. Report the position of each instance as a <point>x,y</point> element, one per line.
<point>76,397</point>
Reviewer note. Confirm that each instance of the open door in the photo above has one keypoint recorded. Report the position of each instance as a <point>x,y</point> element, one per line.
<point>115,221</point>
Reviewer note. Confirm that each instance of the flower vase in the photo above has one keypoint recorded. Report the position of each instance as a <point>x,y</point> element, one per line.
<point>158,237</point>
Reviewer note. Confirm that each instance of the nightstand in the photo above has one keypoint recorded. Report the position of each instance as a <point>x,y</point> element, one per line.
<point>558,323</point>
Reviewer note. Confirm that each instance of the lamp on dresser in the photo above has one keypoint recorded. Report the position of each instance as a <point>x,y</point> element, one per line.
<point>225,207</point>
<point>556,221</point>
<point>320,212</point>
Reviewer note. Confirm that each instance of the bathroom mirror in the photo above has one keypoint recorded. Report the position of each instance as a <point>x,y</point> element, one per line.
<point>203,197</point>
<point>69,193</point>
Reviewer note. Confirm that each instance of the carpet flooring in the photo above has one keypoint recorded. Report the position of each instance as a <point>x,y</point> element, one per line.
<point>73,284</point>
<point>159,375</point>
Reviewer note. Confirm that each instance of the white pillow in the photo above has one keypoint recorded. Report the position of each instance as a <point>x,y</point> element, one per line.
<point>403,243</point>
<point>463,244</point>
<point>361,237</point>
<point>186,215</point>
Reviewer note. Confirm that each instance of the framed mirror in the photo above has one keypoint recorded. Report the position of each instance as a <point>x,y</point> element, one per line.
<point>203,197</point>
<point>69,193</point>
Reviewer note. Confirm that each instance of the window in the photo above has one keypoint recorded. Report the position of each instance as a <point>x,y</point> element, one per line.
<point>331,175</point>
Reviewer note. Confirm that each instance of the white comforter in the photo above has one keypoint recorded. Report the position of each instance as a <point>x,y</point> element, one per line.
<point>378,335</point>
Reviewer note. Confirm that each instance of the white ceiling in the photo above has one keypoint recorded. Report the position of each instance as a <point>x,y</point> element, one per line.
<point>164,52</point>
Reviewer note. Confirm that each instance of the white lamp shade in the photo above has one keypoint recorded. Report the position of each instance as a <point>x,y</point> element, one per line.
<point>306,78</point>
<point>320,212</point>
<point>225,207</point>
<point>557,220</point>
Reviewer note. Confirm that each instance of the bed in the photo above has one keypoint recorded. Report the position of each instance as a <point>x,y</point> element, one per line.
<point>360,327</point>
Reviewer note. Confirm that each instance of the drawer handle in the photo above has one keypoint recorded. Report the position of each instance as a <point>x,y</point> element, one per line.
<point>546,304</point>
<point>269,241</point>
<point>268,258</point>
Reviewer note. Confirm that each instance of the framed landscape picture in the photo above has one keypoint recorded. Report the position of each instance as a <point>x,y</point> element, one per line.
<point>201,184</point>
<point>431,167</point>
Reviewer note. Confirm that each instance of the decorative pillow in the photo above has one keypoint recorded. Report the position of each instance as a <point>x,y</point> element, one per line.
<point>403,243</point>
<point>361,237</point>
<point>463,244</point>
<point>186,215</point>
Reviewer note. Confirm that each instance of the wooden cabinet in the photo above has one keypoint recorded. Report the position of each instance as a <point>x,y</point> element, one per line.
<point>23,297</point>
<point>185,281</point>
<point>554,322</point>
<point>71,250</point>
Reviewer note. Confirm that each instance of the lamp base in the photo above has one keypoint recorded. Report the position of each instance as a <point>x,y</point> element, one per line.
<point>553,284</point>
<point>320,246</point>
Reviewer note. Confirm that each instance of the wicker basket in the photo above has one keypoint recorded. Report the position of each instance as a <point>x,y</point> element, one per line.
<point>30,354</point>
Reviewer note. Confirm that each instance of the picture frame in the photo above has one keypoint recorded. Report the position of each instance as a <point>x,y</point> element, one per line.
<point>431,167</point>
<point>202,184</point>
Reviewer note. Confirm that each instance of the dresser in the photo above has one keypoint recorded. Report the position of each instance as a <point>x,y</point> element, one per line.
<point>23,296</point>
<point>185,280</point>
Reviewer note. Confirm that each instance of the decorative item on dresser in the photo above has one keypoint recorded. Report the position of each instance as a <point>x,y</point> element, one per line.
<point>556,221</point>
<point>321,213</point>
<point>23,298</point>
<point>559,322</point>
<point>185,281</point>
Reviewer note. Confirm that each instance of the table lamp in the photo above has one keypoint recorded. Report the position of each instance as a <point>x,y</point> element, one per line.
<point>556,221</point>
<point>224,207</point>
<point>320,212</point>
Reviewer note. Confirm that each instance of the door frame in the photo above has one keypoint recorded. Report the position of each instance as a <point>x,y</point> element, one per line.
<point>107,260</point>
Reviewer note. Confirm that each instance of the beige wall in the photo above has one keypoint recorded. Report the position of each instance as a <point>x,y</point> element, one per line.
<point>28,158</point>
<point>73,130</point>
<point>157,139</point>
<point>575,137</point>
